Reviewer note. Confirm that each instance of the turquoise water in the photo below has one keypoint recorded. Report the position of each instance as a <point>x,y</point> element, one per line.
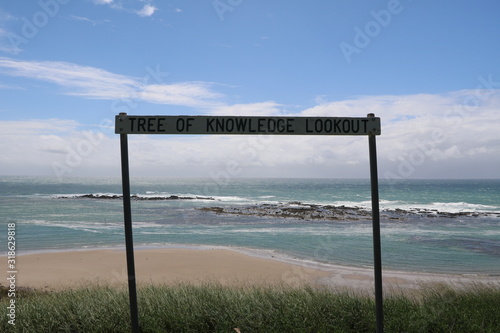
<point>49,215</point>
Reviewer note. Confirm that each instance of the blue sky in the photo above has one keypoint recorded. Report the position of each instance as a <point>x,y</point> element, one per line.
<point>429,69</point>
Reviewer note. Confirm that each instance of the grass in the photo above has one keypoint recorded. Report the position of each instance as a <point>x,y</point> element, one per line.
<point>216,308</point>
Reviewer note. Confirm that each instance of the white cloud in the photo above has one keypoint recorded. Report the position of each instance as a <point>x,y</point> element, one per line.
<point>31,146</point>
<point>85,81</point>
<point>103,2</point>
<point>37,126</point>
<point>147,10</point>
<point>269,108</point>
<point>95,83</point>
<point>194,94</point>
<point>423,136</point>
<point>88,20</point>
<point>428,135</point>
<point>80,18</point>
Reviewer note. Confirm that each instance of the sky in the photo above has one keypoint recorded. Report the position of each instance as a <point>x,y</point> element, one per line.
<point>429,69</point>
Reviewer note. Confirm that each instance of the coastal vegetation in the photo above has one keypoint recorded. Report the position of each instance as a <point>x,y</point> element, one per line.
<point>217,308</point>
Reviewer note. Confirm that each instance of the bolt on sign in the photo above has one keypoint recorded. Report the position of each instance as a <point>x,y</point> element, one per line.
<point>246,125</point>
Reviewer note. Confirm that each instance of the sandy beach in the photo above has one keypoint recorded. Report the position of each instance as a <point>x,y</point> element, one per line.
<point>59,270</point>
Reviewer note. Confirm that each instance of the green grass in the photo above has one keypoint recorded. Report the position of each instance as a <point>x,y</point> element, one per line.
<point>216,308</point>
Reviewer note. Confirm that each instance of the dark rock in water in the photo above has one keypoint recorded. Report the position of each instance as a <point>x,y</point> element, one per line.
<point>218,210</point>
<point>97,196</point>
<point>299,210</point>
<point>295,210</point>
<point>133,197</point>
<point>433,213</point>
<point>309,212</point>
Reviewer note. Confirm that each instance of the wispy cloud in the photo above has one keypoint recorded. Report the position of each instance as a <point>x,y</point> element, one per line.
<point>147,10</point>
<point>6,44</point>
<point>103,2</point>
<point>5,16</point>
<point>96,83</point>
<point>195,94</point>
<point>88,20</point>
<point>269,108</point>
<point>10,86</point>
<point>85,81</point>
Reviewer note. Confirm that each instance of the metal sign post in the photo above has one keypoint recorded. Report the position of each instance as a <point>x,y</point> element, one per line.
<point>377,253</point>
<point>129,242</point>
<point>238,125</point>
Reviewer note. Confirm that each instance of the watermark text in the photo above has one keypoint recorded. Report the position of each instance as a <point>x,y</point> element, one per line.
<point>11,272</point>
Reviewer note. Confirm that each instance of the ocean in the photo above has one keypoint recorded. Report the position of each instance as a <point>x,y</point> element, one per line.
<point>441,226</point>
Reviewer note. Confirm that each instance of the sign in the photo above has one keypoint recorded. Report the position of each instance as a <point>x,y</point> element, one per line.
<point>126,124</point>
<point>370,126</point>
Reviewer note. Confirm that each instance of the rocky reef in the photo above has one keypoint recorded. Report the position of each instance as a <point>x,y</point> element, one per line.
<point>303,211</point>
<point>133,197</point>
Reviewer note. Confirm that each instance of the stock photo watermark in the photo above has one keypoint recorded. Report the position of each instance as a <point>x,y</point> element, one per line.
<point>32,25</point>
<point>221,7</point>
<point>364,35</point>
<point>11,273</point>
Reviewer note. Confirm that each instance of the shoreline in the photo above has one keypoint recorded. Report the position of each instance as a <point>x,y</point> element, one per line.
<point>198,264</point>
<point>270,254</point>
